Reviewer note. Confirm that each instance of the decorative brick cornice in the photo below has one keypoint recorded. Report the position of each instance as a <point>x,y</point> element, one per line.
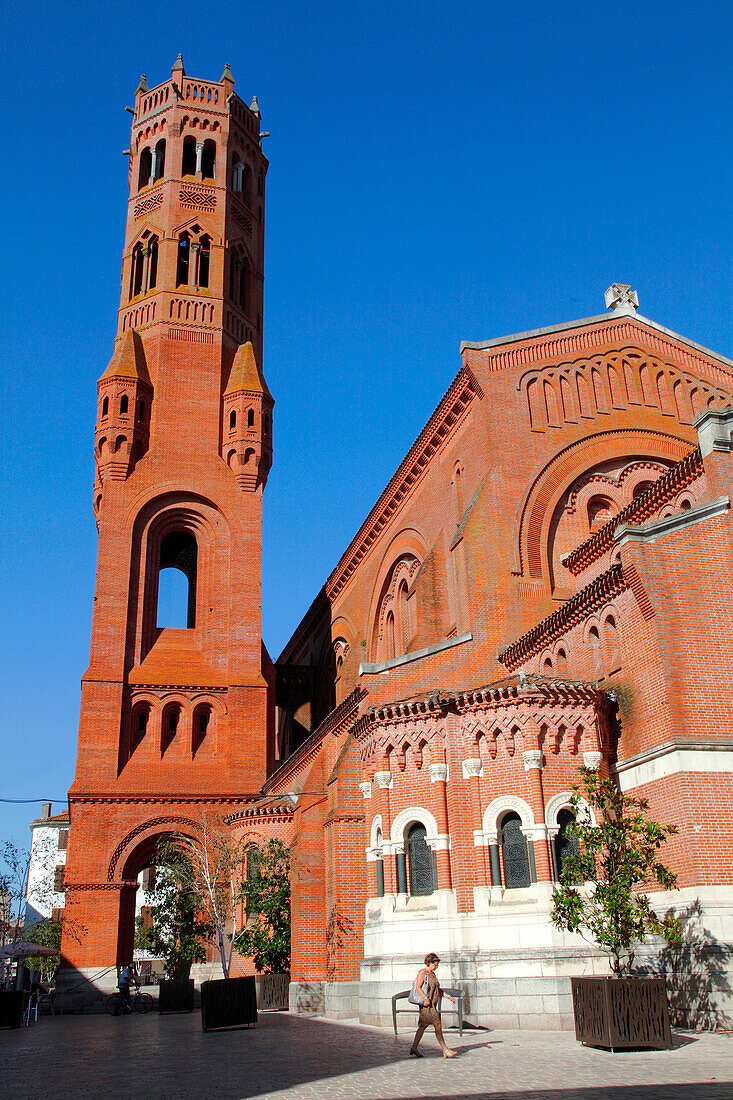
<point>645,505</point>
<point>573,611</point>
<point>439,428</point>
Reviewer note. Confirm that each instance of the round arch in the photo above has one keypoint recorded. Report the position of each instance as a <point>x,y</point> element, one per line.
<point>562,801</point>
<point>134,846</point>
<point>532,524</point>
<point>409,541</point>
<point>375,827</point>
<point>504,804</point>
<point>413,815</point>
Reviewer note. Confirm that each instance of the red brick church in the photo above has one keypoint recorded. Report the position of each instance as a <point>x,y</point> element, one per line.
<point>546,580</point>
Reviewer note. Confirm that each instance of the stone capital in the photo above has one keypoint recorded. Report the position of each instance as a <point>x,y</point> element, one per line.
<point>366,789</point>
<point>532,759</point>
<point>383,779</point>
<point>591,759</point>
<point>472,767</point>
<point>438,773</point>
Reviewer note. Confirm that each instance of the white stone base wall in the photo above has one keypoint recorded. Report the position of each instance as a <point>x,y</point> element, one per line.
<point>334,1000</point>
<point>84,990</point>
<point>514,967</point>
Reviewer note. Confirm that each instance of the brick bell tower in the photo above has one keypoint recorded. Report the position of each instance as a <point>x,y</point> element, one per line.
<point>175,720</point>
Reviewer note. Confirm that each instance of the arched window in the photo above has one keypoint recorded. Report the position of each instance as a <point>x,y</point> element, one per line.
<point>204,260</point>
<point>561,661</point>
<point>419,861</point>
<point>140,718</point>
<point>153,268</point>
<point>380,865</point>
<point>458,493</point>
<point>141,411</point>
<point>265,424</point>
<point>237,168</point>
<point>232,420</point>
<point>600,510</point>
<point>390,636</point>
<point>146,164</point>
<point>642,487</point>
<point>171,718</point>
<point>250,418</point>
<point>234,265</point>
<point>177,581</point>
<point>244,275</point>
<point>124,402</point>
<point>201,723</point>
<point>105,406</point>
<point>137,270</point>
<point>514,853</point>
<point>403,631</point>
<point>246,187</point>
<point>184,253</point>
<point>188,159</point>
<point>159,160</point>
<point>208,160</point>
<point>564,844</point>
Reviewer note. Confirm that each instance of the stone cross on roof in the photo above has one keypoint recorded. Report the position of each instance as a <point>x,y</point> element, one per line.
<point>619,295</point>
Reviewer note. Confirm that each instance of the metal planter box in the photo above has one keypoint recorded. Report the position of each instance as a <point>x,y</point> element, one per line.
<point>274,991</point>
<point>11,1007</point>
<point>228,1002</point>
<point>621,1013</point>
<point>176,995</point>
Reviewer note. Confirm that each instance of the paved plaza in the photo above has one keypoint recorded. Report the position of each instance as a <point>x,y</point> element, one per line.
<point>291,1057</point>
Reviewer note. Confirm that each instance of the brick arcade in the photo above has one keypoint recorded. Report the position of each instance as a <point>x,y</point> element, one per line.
<point>546,580</point>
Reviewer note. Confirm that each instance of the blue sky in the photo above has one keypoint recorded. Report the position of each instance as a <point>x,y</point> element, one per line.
<point>439,172</point>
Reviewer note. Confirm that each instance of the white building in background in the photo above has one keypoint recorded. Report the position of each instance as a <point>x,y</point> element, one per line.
<point>44,890</point>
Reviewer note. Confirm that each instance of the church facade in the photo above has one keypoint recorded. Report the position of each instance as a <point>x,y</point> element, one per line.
<point>545,582</point>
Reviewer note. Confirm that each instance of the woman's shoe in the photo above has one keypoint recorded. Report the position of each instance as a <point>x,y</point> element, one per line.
<point>416,1054</point>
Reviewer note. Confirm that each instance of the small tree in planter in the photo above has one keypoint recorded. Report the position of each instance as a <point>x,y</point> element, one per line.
<point>172,929</point>
<point>600,897</point>
<point>266,935</point>
<point>213,861</point>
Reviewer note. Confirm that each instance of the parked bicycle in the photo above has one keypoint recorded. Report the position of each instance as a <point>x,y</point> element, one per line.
<point>117,1005</point>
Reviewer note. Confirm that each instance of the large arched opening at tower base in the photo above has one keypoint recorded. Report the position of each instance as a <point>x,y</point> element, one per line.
<point>133,895</point>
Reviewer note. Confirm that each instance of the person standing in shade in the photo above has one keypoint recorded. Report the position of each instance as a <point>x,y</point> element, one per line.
<point>428,992</point>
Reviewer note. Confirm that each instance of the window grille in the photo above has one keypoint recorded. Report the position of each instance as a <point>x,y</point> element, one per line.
<point>514,852</point>
<point>420,862</point>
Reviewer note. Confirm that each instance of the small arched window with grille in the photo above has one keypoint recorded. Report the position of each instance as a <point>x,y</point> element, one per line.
<point>105,406</point>
<point>183,264</point>
<point>137,270</point>
<point>419,861</point>
<point>515,856</point>
<point>140,719</point>
<point>564,845</point>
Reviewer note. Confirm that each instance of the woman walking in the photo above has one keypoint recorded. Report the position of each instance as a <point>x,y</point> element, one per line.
<point>426,992</point>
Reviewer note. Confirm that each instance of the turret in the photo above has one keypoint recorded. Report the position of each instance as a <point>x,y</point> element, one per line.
<point>123,413</point>
<point>247,421</point>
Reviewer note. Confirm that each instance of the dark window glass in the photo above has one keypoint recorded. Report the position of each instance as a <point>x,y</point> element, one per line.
<point>514,852</point>
<point>420,862</point>
<point>564,844</point>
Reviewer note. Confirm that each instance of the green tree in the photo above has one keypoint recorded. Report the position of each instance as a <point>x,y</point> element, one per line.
<point>46,933</point>
<point>211,874</point>
<point>266,892</point>
<point>174,930</point>
<point>600,882</point>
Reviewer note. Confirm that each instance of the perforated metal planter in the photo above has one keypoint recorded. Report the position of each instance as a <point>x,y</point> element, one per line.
<point>621,1013</point>
<point>228,1002</point>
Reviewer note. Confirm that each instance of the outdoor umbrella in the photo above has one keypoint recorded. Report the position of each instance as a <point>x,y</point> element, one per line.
<point>21,949</point>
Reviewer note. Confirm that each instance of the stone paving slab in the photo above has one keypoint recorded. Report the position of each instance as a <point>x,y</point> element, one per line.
<point>295,1058</point>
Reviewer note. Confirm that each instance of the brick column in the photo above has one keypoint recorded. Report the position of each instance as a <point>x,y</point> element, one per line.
<point>383,780</point>
<point>538,838</point>
<point>472,768</point>
<point>438,776</point>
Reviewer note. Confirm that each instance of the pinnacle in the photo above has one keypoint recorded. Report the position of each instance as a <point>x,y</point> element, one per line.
<point>255,107</point>
<point>178,67</point>
<point>129,360</point>
<point>143,85</point>
<point>245,375</point>
<point>227,74</point>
